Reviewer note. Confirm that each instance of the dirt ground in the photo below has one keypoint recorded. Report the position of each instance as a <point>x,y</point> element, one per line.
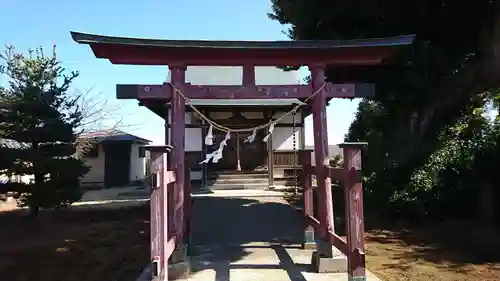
<point>446,252</point>
<point>111,244</point>
<point>75,245</point>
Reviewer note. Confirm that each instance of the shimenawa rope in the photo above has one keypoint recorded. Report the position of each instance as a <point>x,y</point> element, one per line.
<point>216,155</point>
<point>229,130</point>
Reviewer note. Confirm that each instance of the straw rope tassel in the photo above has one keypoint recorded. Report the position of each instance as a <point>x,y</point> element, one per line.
<point>209,139</point>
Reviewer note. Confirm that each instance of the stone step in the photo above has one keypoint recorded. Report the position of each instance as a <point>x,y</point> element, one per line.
<point>239,186</point>
<point>244,179</point>
<point>240,193</point>
<point>237,175</point>
<point>240,180</point>
<point>231,172</point>
<point>289,181</point>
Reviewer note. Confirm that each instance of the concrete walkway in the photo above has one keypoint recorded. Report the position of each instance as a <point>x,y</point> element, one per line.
<point>250,236</point>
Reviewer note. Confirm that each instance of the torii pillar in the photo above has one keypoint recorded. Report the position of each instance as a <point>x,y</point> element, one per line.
<point>178,264</point>
<point>326,258</point>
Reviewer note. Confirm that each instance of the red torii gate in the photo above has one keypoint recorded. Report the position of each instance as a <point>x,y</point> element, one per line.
<point>170,222</point>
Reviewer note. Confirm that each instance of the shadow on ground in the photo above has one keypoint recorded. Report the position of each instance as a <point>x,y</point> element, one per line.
<point>454,250</point>
<point>227,230</point>
<point>235,221</point>
<point>75,244</point>
<point>224,260</point>
<point>101,243</point>
<point>457,246</point>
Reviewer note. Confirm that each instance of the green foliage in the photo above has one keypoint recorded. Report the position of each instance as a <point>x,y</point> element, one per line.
<point>40,118</point>
<point>431,151</point>
<point>336,161</point>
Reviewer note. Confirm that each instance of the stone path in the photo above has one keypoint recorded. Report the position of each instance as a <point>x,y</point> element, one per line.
<point>240,237</point>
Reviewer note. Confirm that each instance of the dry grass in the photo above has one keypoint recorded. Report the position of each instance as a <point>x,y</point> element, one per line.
<point>113,244</point>
<point>75,244</point>
<point>451,251</point>
<point>444,252</point>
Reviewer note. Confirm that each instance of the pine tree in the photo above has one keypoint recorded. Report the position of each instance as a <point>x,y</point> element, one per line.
<point>41,117</point>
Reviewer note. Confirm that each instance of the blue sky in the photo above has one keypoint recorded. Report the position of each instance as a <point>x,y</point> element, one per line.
<point>30,24</point>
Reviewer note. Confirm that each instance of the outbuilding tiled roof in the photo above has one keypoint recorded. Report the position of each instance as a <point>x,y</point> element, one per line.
<point>114,135</point>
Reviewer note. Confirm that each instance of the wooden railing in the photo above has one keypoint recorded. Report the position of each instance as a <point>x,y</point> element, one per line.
<point>166,234</point>
<point>284,158</point>
<point>350,177</point>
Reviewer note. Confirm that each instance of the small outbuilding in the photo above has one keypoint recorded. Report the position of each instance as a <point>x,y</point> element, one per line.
<point>115,159</point>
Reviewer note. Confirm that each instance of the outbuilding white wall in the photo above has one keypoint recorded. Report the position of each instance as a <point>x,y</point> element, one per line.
<point>97,166</point>
<point>137,164</point>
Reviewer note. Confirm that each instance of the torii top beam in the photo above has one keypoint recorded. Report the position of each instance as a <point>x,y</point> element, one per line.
<point>138,51</point>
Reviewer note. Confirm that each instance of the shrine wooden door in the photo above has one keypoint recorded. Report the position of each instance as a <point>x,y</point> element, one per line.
<point>251,155</point>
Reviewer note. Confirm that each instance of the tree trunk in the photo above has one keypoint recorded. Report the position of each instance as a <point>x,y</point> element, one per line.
<point>487,210</point>
<point>34,210</point>
<point>480,74</point>
<point>34,200</point>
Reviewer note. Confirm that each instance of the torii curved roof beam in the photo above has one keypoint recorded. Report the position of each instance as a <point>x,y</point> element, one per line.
<point>139,51</point>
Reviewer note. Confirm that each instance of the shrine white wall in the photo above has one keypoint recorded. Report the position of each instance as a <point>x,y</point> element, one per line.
<point>289,118</point>
<point>283,138</point>
<point>192,139</point>
<point>188,118</point>
<point>232,75</point>
<point>192,142</point>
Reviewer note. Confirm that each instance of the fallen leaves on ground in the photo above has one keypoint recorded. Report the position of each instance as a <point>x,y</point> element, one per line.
<point>113,244</point>
<point>75,245</point>
<point>458,251</point>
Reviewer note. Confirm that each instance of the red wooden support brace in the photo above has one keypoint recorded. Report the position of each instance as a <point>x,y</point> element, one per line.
<point>159,211</point>
<point>187,206</point>
<point>248,76</point>
<point>306,183</point>
<point>171,168</point>
<point>169,195</point>
<point>354,211</point>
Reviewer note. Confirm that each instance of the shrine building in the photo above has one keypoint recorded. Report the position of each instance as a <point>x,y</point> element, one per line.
<point>267,164</point>
<point>272,159</point>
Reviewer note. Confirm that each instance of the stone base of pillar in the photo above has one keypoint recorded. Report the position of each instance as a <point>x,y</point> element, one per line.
<point>309,243</point>
<point>309,246</point>
<point>179,266</point>
<point>334,264</point>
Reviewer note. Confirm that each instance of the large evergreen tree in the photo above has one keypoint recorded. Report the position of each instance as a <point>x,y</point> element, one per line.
<point>40,117</point>
<point>427,95</point>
